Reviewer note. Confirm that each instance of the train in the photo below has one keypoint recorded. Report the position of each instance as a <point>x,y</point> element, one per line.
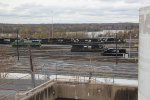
<point>114,52</point>
<point>25,43</point>
<point>87,48</point>
<point>67,41</point>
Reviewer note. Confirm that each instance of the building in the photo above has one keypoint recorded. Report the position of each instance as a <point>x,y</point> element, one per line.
<point>144,55</point>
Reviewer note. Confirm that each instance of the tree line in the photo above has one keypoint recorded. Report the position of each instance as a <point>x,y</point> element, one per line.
<point>65,30</point>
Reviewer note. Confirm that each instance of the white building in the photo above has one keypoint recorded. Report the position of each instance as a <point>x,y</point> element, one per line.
<point>8,35</point>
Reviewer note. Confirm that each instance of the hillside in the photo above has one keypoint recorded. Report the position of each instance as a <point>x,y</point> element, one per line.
<point>10,28</point>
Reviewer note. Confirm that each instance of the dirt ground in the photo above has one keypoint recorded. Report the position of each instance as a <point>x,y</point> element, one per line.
<point>50,58</point>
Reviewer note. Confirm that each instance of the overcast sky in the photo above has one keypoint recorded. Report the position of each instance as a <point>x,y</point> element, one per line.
<point>70,11</point>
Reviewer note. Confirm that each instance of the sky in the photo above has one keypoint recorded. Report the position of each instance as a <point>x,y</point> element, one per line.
<point>70,11</point>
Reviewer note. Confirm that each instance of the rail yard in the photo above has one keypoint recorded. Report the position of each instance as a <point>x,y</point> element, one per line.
<point>50,57</point>
<point>74,50</point>
<point>61,59</point>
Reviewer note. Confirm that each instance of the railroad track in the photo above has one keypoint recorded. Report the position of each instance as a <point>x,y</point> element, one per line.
<point>75,61</point>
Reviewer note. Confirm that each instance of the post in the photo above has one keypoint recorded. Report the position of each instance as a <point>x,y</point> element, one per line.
<point>56,71</point>
<point>113,74</point>
<point>17,46</point>
<point>116,49</point>
<point>90,74</point>
<point>116,42</point>
<point>52,25</point>
<point>31,66</point>
<point>130,44</point>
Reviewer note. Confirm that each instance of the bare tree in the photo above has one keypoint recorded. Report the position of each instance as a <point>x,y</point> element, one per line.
<point>6,61</point>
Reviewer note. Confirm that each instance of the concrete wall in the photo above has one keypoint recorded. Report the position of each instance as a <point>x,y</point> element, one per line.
<point>96,91</point>
<point>46,91</point>
<point>83,91</point>
<point>144,55</point>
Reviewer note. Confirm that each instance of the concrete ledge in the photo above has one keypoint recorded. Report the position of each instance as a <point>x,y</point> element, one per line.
<point>53,90</point>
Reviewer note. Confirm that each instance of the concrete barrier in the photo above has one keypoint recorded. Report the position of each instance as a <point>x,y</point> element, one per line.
<point>81,91</point>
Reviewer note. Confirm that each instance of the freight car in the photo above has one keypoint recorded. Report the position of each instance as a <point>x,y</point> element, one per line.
<point>25,43</point>
<point>87,48</point>
<point>110,40</point>
<point>7,40</point>
<point>114,52</point>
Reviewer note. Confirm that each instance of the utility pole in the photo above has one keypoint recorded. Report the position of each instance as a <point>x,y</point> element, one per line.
<point>31,63</point>
<point>130,44</point>
<point>51,31</point>
<point>31,66</point>
<point>116,49</point>
<point>116,42</point>
<point>56,71</point>
<point>52,25</point>
<point>17,45</point>
<point>90,74</point>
